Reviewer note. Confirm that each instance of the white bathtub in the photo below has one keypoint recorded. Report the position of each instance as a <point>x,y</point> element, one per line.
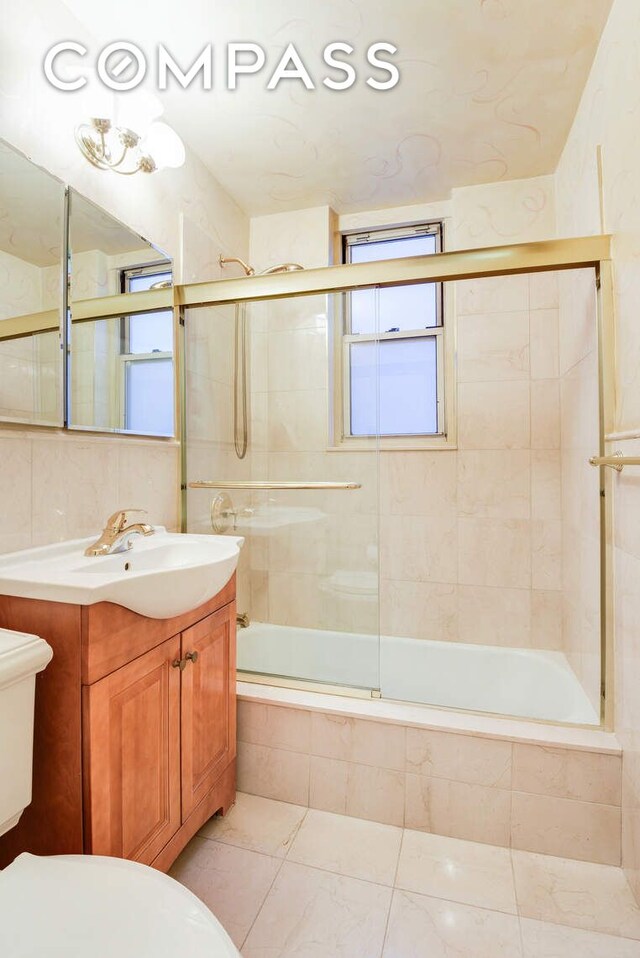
<point>506,681</point>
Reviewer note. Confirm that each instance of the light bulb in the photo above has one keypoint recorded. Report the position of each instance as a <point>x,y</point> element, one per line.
<point>163,145</point>
<point>137,111</point>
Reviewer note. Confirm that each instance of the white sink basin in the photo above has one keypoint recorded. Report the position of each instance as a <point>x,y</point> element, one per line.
<point>163,575</point>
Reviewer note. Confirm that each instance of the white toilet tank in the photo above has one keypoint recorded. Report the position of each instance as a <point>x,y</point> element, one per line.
<point>21,657</point>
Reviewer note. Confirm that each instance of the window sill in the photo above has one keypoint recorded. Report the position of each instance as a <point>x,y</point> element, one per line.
<point>396,444</point>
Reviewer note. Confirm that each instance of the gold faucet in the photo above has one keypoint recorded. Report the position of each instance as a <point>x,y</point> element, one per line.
<point>114,535</point>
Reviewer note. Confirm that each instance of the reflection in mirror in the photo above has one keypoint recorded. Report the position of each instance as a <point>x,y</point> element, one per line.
<point>31,235</point>
<point>121,368</point>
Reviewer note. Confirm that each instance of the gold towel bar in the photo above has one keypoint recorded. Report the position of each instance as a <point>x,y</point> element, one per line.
<point>267,484</point>
<point>616,461</point>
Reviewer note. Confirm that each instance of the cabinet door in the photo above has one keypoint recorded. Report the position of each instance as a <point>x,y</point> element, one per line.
<point>208,704</point>
<point>132,756</point>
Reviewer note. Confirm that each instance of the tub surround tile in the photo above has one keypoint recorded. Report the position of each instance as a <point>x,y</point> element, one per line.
<point>257,823</point>
<point>581,894</point>
<point>274,773</point>
<point>543,325</point>
<point>278,728</point>
<point>567,774</point>
<point>421,926</point>
<point>492,294</point>
<point>541,939</point>
<point>362,791</point>
<point>417,484</point>
<point>418,548</point>
<point>348,846</point>
<point>545,414</point>
<point>460,758</point>
<point>423,610</point>
<point>310,912</point>
<point>472,812</point>
<point>351,740</point>
<point>232,882</point>
<point>465,872</point>
<point>490,615</point>
<point>558,826</point>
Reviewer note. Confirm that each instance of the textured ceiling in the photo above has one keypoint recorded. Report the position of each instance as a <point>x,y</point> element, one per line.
<point>488,91</point>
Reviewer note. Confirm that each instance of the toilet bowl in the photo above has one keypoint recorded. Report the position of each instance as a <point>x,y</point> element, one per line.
<point>86,906</point>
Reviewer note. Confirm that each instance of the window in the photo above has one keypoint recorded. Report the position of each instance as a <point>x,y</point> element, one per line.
<point>392,343</point>
<point>146,355</point>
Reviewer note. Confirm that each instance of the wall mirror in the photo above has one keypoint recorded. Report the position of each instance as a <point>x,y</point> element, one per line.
<point>121,374</point>
<point>31,243</point>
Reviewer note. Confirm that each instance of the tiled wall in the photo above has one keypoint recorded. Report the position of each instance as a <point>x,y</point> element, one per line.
<point>556,801</point>
<point>609,118</point>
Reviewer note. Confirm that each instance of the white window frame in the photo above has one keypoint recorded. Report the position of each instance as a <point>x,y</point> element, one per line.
<point>442,332</point>
<point>125,357</point>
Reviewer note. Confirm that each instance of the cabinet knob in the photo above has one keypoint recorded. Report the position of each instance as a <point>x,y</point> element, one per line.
<point>192,656</point>
<point>179,664</point>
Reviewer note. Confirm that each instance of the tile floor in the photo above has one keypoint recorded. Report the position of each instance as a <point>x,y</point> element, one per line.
<point>292,882</point>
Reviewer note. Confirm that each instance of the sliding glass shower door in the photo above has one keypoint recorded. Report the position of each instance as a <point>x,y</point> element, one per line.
<point>263,463</point>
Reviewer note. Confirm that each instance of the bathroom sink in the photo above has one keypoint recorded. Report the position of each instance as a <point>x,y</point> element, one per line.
<point>163,575</point>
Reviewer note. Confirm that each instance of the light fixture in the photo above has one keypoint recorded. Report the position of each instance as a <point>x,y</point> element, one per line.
<point>135,142</point>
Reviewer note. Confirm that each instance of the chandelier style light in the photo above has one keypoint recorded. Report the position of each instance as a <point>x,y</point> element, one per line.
<point>135,142</point>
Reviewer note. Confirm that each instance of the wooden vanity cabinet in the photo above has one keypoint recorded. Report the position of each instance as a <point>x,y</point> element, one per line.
<point>149,731</point>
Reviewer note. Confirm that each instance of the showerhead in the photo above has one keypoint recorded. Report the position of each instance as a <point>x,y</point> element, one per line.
<point>281,268</point>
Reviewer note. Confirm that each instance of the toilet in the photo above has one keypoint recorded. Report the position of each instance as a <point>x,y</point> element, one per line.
<point>81,905</point>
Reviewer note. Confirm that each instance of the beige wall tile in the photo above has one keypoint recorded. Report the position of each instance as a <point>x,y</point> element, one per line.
<point>546,620</point>
<point>421,610</point>
<point>15,493</point>
<point>544,343</point>
<point>565,773</point>
<point>472,812</point>
<point>273,773</point>
<point>492,295</point>
<point>556,826</point>
<point>494,415</point>
<point>494,483</point>
<point>418,548</point>
<point>545,414</point>
<point>490,615</point>
<point>278,727</point>
<point>494,552</point>
<point>543,290</point>
<point>355,740</point>
<point>463,758</point>
<point>493,347</point>
<point>418,483</point>
<point>546,554</point>
<point>546,484</point>
<point>362,791</point>
<point>328,784</point>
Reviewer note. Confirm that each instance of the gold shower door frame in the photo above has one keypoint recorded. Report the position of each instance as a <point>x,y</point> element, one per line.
<point>548,255</point>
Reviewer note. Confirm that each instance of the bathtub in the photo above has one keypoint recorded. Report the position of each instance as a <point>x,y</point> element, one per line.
<point>508,681</point>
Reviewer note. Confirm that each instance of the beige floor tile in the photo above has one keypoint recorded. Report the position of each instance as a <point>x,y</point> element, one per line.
<point>348,846</point>
<point>260,824</point>
<point>466,872</point>
<point>232,882</point>
<point>422,927</point>
<point>314,914</point>
<point>581,894</point>
<point>543,940</point>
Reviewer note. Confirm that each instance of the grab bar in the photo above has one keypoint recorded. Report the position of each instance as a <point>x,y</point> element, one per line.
<point>269,484</point>
<point>616,461</point>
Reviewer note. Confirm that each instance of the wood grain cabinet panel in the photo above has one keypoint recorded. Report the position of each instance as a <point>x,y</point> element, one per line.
<point>135,732</point>
<point>132,757</point>
<point>208,705</point>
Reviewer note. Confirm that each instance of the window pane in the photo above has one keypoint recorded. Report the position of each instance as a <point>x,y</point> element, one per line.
<point>151,332</point>
<point>401,307</point>
<point>394,382</point>
<point>149,396</point>
<point>146,281</point>
<point>392,248</point>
